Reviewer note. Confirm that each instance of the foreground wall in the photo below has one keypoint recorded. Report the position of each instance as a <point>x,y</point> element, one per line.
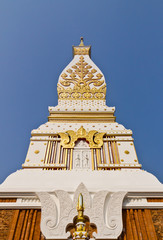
<point>143,224</point>
<point>20,225</point>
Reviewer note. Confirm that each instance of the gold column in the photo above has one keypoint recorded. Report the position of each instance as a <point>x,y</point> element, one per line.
<point>92,157</point>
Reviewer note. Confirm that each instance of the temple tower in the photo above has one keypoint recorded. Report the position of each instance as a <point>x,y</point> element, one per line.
<point>81,158</point>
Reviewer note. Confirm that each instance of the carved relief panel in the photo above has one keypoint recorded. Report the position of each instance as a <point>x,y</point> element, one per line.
<point>104,210</point>
<point>82,155</point>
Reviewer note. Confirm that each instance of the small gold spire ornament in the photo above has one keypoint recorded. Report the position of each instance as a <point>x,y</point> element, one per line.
<point>81,42</point>
<point>80,230</point>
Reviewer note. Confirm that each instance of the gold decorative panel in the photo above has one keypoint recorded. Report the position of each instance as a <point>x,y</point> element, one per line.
<point>81,51</point>
<point>69,138</point>
<point>77,82</point>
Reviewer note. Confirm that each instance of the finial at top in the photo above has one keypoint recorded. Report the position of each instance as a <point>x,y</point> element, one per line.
<point>80,209</point>
<point>81,49</point>
<point>81,42</point>
<point>80,230</point>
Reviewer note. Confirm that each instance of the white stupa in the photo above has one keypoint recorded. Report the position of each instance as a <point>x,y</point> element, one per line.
<point>82,150</point>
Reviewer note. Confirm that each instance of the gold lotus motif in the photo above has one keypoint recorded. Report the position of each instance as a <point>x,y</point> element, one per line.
<point>76,81</point>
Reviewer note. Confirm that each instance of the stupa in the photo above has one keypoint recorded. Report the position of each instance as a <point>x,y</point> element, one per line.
<point>81,158</point>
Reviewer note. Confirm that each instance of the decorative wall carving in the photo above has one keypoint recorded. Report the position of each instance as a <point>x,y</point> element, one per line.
<point>86,196</point>
<point>59,210</point>
<point>81,144</point>
<point>49,213</point>
<point>113,213</point>
<point>69,138</point>
<point>81,81</point>
<point>82,155</point>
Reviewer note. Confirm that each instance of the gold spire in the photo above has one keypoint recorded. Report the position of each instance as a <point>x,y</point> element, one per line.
<point>82,79</point>
<point>81,49</point>
<point>81,42</point>
<point>80,209</point>
<point>80,231</point>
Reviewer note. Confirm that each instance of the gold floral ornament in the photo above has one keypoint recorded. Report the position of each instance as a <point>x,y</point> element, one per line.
<point>69,138</point>
<point>81,81</point>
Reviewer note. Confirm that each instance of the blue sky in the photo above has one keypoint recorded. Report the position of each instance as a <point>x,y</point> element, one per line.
<point>36,39</point>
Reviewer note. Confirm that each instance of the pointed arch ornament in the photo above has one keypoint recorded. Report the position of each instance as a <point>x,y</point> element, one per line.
<point>104,210</point>
<point>69,138</point>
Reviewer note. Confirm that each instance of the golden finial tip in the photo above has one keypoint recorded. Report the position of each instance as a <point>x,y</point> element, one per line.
<point>80,202</point>
<point>81,42</point>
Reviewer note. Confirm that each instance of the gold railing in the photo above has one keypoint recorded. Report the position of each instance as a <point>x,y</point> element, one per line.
<point>106,155</point>
<point>105,158</point>
<point>57,157</point>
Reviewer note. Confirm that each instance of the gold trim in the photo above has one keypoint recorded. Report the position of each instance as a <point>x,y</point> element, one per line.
<point>120,165</point>
<point>65,161</point>
<point>81,116</point>
<point>98,158</point>
<point>92,157</point>
<point>44,166</point>
<point>104,157</point>
<point>108,148</point>
<point>71,155</point>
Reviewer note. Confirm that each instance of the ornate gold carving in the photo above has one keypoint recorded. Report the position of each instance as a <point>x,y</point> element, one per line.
<point>64,139</point>
<point>81,51</point>
<point>81,76</point>
<point>69,138</point>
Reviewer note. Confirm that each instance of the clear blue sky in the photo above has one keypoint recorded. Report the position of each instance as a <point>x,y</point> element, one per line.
<point>36,39</point>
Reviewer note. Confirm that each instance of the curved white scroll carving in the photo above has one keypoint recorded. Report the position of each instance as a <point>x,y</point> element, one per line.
<point>105,211</point>
<point>114,213</point>
<point>49,213</point>
<point>98,214</point>
<point>65,209</point>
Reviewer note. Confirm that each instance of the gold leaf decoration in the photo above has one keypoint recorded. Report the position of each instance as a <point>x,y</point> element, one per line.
<point>81,81</point>
<point>69,138</point>
<point>64,138</point>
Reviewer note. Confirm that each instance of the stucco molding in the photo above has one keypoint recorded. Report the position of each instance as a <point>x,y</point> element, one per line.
<point>58,210</point>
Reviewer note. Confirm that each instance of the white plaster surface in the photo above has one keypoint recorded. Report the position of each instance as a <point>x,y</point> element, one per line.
<point>34,180</point>
<point>104,127</point>
<point>127,152</point>
<point>81,106</point>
